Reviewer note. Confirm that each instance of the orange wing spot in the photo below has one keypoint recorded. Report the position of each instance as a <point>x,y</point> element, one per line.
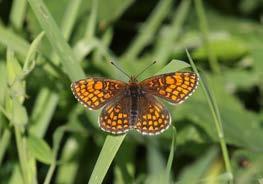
<point>114,123</point>
<point>160,121</point>
<point>119,121</point>
<point>144,123</point>
<point>115,118</point>
<point>125,121</point>
<point>187,83</point>
<point>107,95</point>
<point>178,77</point>
<point>91,90</point>
<point>179,88</point>
<point>120,115</point>
<point>83,91</point>
<point>160,82</point>
<point>98,85</point>
<point>111,115</point>
<point>126,126</point>
<point>155,123</point>
<point>83,86</point>
<point>77,89</point>
<point>113,128</point>
<point>168,95</point>
<point>116,86</point>
<point>109,121</point>
<point>156,128</point>
<point>96,92</point>
<point>96,103</point>
<point>149,116</point>
<point>100,95</point>
<point>175,92</point>
<point>117,110</point>
<point>168,90</point>
<point>182,95</point>
<point>156,114</point>
<point>174,97</point>
<point>169,80</point>
<point>94,99</point>
<point>119,127</point>
<point>144,116</point>
<point>89,103</point>
<point>189,88</point>
<point>125,115</point>
<point>150,122</point>
<point>192,80</point>
<point>185,91</point>
<point>172,86</point>
<point>154,117</point>
<point>162,92</point>
<point>90,95</point>
<point>184,86</point>
<point>151,128</point>
<point>85,99</point>
<point>82,82</point>
<point>151,110</point>
<point>108,126</point>
<point>144,128</point>
<point>139,124</point>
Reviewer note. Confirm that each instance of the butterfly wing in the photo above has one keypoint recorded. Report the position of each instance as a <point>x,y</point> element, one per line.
<point>115,116</point>
<point>153,117</point>
<point>96,92</point>
<point>174,87</point>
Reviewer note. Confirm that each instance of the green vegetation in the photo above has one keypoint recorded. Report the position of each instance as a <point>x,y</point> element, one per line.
<point>47,137</point>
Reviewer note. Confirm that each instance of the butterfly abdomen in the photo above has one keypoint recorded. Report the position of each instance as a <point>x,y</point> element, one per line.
<point>134,93</point>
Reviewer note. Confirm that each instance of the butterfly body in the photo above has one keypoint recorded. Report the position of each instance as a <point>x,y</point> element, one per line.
<point>133,105</point>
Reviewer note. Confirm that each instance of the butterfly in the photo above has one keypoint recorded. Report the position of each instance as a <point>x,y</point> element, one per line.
<point>134,105</point>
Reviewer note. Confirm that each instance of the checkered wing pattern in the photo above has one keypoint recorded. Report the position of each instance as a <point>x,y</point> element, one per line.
<point>115,116</point>
<point>153,117</point>
<point>174,87</point>
<point>96,92</point>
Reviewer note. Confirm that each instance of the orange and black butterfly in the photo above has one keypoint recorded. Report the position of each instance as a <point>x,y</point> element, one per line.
<point>133,105</point>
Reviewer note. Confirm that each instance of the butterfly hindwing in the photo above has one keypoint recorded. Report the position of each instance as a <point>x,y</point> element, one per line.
<point>115,116</point>
<point>153,117</point>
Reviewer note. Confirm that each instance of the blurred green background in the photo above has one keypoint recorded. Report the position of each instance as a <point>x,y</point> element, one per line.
<point>47,137</point>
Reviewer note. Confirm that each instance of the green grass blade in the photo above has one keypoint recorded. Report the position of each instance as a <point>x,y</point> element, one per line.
<point>68,59</point>
<point>13,41</point>
<point>18,13</point>
<point>171,157</point>
<point>166,42</point>
<point>216,116</point>
<point>204,28</point>
<point>108,151</point>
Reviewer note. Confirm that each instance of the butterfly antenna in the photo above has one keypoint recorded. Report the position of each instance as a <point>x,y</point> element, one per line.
<point>145,69</point>
<point>120,69</point>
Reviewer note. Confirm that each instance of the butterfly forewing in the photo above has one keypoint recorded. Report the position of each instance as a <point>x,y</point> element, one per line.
<point>96,92</point>
<point>153,117</point>
<point>115,116</point>
<point>174,87</point>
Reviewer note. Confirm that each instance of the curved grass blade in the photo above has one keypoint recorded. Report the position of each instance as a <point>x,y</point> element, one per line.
<point>217,118</point>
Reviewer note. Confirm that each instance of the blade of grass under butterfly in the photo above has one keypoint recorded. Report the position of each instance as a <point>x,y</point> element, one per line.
<point>171,157</point>
<point>216,116</point>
